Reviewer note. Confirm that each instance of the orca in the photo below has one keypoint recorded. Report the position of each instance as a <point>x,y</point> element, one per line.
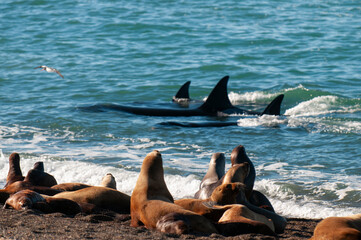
<point>183,94</point>
<point>216,104</point>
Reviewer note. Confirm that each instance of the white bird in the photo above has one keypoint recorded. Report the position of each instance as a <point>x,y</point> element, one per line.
<point>49,69</point>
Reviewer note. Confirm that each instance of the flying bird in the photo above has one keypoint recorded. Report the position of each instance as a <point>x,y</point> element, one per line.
<point>49,69</point>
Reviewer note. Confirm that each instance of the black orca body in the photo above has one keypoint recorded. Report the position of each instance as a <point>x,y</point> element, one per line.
<point>216,104</point>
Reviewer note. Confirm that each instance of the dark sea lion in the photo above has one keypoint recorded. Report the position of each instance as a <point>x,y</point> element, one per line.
<point>39,166</point>
<point>14,173</point>
<point>338,228</point>
<point>152,204</point>
<point>239,155</point>
<point>222,195</point>
<point>40,178</point>
<point>23,199</point>
<point>255,197</point>
<point>101,197</point>
<point>214,174</point>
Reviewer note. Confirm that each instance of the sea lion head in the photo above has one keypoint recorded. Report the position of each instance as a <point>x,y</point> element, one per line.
<point>226,193</point>
<point>23,199</point>
<point>39,166</point>
<point>239,155</point>
<point>109,181</point>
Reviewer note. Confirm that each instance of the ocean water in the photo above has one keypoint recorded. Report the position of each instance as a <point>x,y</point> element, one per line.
<point>128,52</point>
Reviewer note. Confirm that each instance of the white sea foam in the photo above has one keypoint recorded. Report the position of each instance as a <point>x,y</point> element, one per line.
<point>249,96</point>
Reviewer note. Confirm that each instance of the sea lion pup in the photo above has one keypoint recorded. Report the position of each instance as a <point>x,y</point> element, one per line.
<point>153,205</point>
<point>338,228</point>
<point>214,174</point>
<point>109,181</point>
<point>14,173</point>
<point>101,197</point>
<point>222,195</point>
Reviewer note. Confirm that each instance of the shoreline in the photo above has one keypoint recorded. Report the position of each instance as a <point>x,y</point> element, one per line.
<point>31,224</point>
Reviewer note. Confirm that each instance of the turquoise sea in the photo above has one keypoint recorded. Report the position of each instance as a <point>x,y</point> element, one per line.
<point>308,161</point>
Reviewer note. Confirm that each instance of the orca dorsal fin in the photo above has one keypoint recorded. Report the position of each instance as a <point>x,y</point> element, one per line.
<point>183,91</point>
<point>218,99</point>
<point>274,108</point>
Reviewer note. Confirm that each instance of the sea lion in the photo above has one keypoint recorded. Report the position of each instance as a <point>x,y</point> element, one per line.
<point>39,166</point>
<point>109,181</point>
<point>101,197</point>
<point>153,205</point>
<point>255,197</point>
<point>222,195</point>
<point>40,178</point>
<point>214,174</point>
<point>27,199</point>
<point>23,185</point>
<point>239,155</point>
<point>23,199</point>
<point>70,186</point>
<point>338,228</point>
<point>14,173</point>
<point>238,212</point>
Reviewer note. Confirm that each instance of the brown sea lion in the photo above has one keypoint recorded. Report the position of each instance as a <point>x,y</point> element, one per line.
<point>70,186</point>
<point>152,204</point>
<point>238,212</point>
<point>23,199</point>
<point>338,228</point>
<point>222,195</point>
<point>211,180</point>
<point>14,173</point>
<point>101,197</point>
<point>23,185</point>
<point>109,181</point>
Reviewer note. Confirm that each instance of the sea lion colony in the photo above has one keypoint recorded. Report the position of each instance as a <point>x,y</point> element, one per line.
<point>225,203</point>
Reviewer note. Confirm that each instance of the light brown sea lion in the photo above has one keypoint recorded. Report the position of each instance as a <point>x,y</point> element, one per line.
<point>222,195</point>
<point>152,204</point>
<point>14,173</point>
<point>211,180</point>
<point>338,228</point>
<point>109,181</point>
<point>101,197</point>
<point>238,212</point>
<point>23,199</point>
